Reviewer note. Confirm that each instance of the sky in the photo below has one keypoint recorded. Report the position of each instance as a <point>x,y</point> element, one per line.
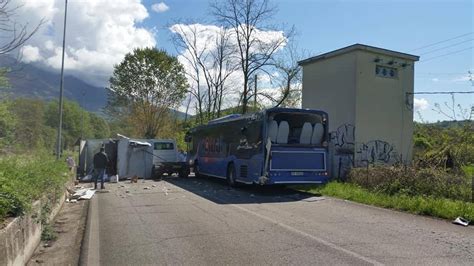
<point>101,32</point>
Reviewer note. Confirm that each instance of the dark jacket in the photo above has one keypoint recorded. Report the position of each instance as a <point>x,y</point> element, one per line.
<point>100,160</point>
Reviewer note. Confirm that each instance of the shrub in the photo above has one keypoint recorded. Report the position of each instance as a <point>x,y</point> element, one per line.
<point>410,181</point>
<point>26,178</point>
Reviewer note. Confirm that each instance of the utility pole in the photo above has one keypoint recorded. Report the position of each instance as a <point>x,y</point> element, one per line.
<point>61,85</point>
<point>255,95</point>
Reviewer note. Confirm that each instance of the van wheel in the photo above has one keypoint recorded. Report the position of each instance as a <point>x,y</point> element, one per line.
<point>231,176</point>
<point>183,173</point>
<point>155,173</point>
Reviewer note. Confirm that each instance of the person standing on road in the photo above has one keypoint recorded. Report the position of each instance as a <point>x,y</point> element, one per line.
<point>100,163</point>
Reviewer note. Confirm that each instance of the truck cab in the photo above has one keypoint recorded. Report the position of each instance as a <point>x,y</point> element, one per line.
<point>167,159</point>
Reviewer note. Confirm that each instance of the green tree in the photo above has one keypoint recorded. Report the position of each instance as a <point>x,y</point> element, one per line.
<point>3,77</point>
<point>30,126</point>
<point>73,124</point>
<point>145,85</point>
<point>7,124</point>
<point>100,128</point>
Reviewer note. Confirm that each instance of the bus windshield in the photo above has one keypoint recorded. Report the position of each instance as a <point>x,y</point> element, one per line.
<point>296,128</point>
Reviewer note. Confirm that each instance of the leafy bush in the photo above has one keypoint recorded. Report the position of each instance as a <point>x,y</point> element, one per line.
<point>444,147</point>
<point>410,181</point>
<point>26,178</point>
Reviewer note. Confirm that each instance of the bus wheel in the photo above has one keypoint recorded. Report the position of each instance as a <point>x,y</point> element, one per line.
<point>196,170</point>
<point>231,176</point>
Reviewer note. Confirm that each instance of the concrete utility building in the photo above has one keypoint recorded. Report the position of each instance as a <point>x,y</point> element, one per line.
<point>368,94</point>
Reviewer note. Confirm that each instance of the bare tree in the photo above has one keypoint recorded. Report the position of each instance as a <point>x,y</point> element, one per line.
<point>247,18</point>
<point>454,111</point>
<point>187,40</point>
<point>287,76</point>
<point>220,68</point>
<point>13,34</point>
<point>211,63</point>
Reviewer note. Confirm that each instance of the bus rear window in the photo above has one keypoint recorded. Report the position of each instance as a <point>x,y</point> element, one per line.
<point>299,128</point>
<point>164,146</point>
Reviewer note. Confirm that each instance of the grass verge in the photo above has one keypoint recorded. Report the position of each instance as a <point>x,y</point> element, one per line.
<point>437,207</point>
<point>26,178</point>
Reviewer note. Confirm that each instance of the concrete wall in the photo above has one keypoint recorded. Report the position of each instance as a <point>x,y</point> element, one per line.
<point>330,86</point>
<point>384,118</point>
<point>19,239</point>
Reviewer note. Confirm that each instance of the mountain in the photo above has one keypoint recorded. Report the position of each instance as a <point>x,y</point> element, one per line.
<point>30,81</point>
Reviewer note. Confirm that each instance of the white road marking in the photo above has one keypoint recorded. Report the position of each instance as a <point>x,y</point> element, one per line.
<point>294,230</point>
<point>322,241</point>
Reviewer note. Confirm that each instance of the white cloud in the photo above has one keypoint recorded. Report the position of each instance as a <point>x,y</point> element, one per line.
<point>420,104</point>
<point>435,79</point>
<point>160,7</point>
<point>30,54</point>
<point>99,34</point>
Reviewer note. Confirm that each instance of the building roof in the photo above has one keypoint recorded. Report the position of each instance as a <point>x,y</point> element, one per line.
<point>361,47</point>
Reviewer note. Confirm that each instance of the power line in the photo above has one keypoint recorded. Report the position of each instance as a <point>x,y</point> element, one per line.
<point>441,92</point>
<point>441,73</point>
<point>447,40</point>
<point>454,52</point>
<point>445,47</point>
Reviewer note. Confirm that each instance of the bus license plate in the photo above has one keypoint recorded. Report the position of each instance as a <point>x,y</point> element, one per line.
<point>296,173</point>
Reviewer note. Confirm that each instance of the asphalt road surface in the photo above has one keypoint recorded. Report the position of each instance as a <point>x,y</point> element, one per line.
<point>203,222</point>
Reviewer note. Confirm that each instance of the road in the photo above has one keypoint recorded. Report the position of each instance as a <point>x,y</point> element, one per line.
<point>203,222</point>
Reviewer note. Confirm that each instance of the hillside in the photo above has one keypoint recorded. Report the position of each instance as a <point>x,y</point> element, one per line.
<point>30,81</point>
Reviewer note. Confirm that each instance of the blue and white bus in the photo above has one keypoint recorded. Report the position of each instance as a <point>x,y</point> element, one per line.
<point>275,146</point>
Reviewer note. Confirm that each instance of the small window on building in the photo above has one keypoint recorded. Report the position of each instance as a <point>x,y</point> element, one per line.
<point>386,72</point>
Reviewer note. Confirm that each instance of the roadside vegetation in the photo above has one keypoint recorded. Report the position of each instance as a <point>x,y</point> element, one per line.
<point>417,204</point>
<point>27,178</point>
<point>438,184</point>
<point>28,168</point>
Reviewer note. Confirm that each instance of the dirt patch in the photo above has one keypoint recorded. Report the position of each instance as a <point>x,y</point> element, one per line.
<point>69,227</point>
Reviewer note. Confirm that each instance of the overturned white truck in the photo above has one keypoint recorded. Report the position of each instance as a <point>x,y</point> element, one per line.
<point>144,158</point>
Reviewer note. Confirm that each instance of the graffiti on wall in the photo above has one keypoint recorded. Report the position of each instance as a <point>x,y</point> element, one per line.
<point>343,138</point>
<point>369,153</point>
<point>377,152</point>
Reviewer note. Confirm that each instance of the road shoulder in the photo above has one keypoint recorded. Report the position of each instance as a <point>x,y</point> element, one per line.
<point>69,226</point>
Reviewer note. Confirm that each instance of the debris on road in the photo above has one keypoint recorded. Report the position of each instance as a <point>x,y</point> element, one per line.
<point>461,221</point>
<point>114,179</point>
<point>82,193</point>
<point>88,194</point>
<point>313,199</point>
